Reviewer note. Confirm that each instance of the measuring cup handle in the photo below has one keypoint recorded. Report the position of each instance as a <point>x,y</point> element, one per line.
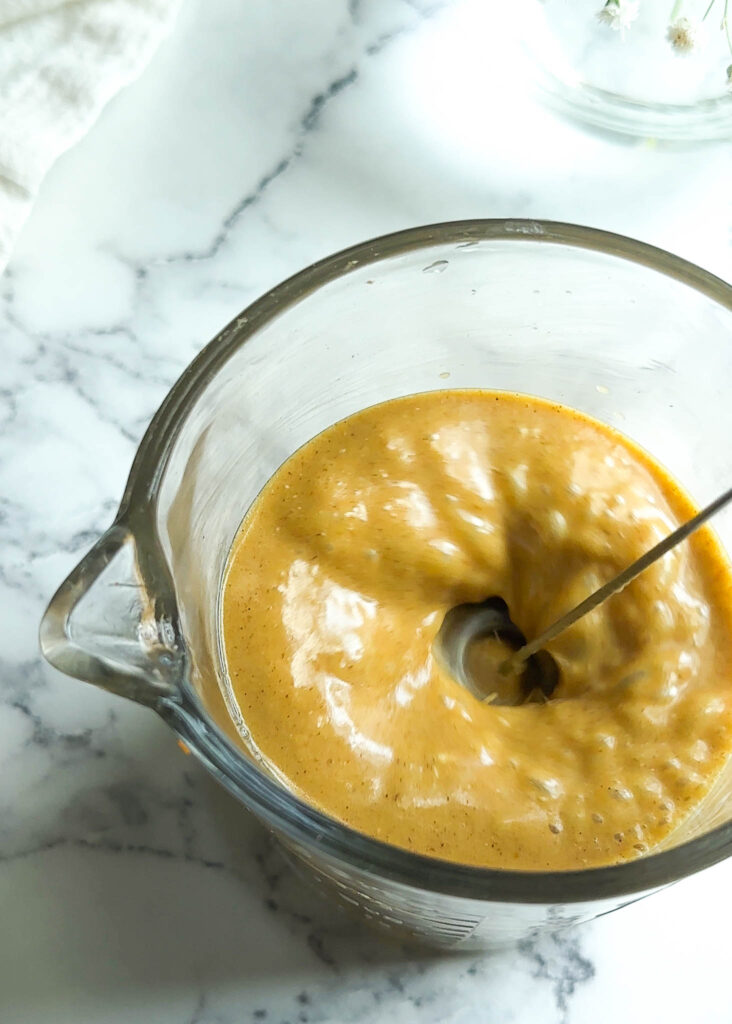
<point>109,625</point>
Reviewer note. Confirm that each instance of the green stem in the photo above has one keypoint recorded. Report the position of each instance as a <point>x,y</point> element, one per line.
<point>706,13</point>
<point>725,25</point>
<point>675,10</point>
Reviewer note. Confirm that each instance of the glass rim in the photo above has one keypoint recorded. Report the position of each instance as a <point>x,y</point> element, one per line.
<point>705,120</point>
<point>184,711</point>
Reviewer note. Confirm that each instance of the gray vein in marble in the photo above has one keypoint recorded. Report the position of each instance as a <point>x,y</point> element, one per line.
<point>556,957</point>
<point>114,333</point>
<point>43,736</point>
<point>111,846</point>
<point>308,123</point>
<point>8,406</point>
<point>72,544</point>
<point>50,365</point>
<point>317,945</point>
<point>203,1014</point>
<point>21,679</point>
<point>199,1015</point>
<point>71,376</point>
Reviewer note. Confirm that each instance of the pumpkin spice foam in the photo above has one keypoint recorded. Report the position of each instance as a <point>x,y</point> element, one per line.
<point>340,578</point>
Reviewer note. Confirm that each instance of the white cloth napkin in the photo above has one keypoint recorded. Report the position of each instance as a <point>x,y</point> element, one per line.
<point>60,62</point>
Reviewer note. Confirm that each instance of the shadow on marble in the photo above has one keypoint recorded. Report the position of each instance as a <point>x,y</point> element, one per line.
<point>134,876</point>
<point>177,884</point>
<point>333,934</point>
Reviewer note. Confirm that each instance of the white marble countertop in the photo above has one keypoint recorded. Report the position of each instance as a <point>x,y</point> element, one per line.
<point>265,135</point>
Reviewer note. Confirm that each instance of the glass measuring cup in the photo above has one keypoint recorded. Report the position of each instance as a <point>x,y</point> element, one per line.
<point>625,332</point>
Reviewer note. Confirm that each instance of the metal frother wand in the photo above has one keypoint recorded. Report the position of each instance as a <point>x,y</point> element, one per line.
<point>517,659</point>
<point>618,583</point>
<point>538,671</point>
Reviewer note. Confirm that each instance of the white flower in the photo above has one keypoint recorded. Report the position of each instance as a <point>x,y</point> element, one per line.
<point>618,14</point>
<point>682,35</point>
